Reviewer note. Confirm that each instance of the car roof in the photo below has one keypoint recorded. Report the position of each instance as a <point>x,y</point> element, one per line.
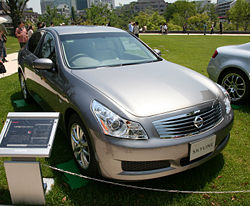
<point>64,30</point>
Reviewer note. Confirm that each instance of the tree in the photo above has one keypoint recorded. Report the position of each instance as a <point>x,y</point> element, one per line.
<point>98,14</point>
<point>211,12</point>
<point>51,15</point>
<point>143,18</point>
<point>73,14</point>
<point>150,19</point>
<point>125,14</point>
<point>156,20</point>
<point>199,7</point>
<point>170,10</point>
<point>197,22</point>
<point>239,14</point>
<point>14,9</point>
<point>183,10</point>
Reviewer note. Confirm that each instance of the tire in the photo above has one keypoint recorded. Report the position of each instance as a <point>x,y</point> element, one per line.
<point>81,147</point>
<point>237,85</point>
<point>24,89</point>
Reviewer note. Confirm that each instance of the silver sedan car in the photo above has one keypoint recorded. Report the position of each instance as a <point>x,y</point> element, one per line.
<point>128,113</point>
<point>230,67</point>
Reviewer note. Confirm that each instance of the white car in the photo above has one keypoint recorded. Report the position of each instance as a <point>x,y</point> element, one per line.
<point>230,67</point>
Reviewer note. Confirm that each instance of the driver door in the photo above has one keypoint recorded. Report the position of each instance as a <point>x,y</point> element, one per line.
<point>49,80</point>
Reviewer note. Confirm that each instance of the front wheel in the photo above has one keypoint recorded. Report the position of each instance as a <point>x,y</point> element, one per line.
<point>236,84</point>
<point>82,147</point>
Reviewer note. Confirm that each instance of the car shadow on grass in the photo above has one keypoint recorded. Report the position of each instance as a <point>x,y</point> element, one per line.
<point>97,193</point>
<point>102,194</point>
<point>242,107</point>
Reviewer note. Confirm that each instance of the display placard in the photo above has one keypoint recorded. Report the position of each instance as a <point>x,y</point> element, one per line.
<point>28,134</point>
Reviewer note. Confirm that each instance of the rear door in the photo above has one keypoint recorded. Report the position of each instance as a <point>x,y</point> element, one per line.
<point>26,58</point>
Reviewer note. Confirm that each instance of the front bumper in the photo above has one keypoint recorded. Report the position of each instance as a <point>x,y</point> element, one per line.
<point>147,159</point>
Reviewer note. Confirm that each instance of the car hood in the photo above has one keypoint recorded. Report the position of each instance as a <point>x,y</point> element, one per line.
<point>151,88</point>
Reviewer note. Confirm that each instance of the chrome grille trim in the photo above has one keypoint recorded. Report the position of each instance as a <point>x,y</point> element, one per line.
<point>183,124</point>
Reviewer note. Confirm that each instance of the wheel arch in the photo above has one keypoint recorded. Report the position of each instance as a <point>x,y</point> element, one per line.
<point>232,68</point>
<point>67,115</point>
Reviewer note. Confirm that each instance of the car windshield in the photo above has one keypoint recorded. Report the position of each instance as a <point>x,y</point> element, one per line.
<point>104,50</point>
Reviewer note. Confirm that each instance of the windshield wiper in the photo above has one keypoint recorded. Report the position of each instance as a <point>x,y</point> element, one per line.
<point>126,64</point>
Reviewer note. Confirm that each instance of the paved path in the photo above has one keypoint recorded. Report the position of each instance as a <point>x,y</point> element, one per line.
<point>195,34</point>
<point>11,65</point>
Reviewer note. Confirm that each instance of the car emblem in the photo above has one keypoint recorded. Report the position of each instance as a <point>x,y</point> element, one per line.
<point>198,122</point>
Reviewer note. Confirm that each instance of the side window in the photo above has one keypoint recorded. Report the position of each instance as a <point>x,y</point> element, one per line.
<point>47,49</point>
<point>33,41</point>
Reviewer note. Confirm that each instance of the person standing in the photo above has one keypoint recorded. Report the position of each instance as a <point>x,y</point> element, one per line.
<point>212,29</point>
<point>165,28</point>
<point>205,28</point>
<point>4,37</point>
<point>221,27</point>
<point>39,25</point>
<point>130,27</point>
<point>21,34</point>
<point>2,67</point>
<point>3,41</point>
<point>136,29</point>
<point>1,46</point>
<point>161,29</point>
<point>30,31</point>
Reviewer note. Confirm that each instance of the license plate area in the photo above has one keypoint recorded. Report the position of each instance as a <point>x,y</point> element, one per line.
<point>202,147</point>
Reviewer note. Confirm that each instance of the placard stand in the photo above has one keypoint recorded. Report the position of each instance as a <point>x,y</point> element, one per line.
<point>24,137</point>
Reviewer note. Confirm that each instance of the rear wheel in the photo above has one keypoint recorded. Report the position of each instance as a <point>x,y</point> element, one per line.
<point>236,84</point>
<point>82,147</point>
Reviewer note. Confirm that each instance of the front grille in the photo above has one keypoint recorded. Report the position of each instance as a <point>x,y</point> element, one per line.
<point>144,166</point>
<point>183,125</point>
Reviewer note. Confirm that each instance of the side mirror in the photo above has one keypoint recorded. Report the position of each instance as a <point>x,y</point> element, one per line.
<point>157,51</point>
<point>43,64</point>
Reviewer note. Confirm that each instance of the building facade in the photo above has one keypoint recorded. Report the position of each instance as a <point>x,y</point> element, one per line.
<point>110,3</point>
<point>223,6</point>
<point>156,5</point>
<point>77,4</point>
<point>54,3</point>
<point>81,4</point>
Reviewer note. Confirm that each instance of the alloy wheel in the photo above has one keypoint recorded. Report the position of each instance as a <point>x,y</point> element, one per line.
<point>80,146</point>
<point>235,85</point>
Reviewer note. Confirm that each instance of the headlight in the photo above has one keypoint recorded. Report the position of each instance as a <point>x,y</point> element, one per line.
<point>227,99</point>
<point>115,126</point>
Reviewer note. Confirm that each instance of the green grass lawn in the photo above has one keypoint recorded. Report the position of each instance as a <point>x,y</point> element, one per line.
<point>12,45</point>
<point>228,171</point>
